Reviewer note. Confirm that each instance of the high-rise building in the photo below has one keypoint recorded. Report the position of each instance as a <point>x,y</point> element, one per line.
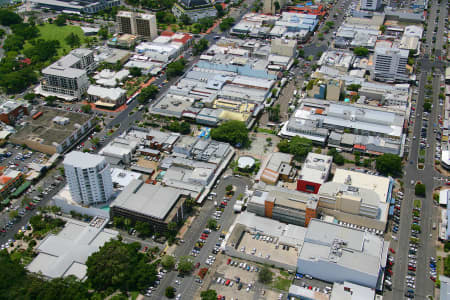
<point>390,64</point>
<point>370,4</point>
<point>142,25</point>
<point>89,177</point>
<point>67,78</point>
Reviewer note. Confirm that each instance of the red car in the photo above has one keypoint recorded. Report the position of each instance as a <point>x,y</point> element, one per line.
<point>392,250</point>
<point>228,261</point>
<point>411,268</point>
<point>389,271</point>
<point>27,208</point>
<point>197,265</point>
<point>203,238</point>
<point>433,278</point>
<point>390,263</point>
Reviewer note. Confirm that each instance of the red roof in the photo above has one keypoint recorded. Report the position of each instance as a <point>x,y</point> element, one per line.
<point>184,39</point>
<point>167,33</point>
<point>4,179</point>
<point>361,147</point>
<point>26,61</point>
<point>223,5</point>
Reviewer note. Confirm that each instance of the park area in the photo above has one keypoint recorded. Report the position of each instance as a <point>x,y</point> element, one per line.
<point>59,33</point>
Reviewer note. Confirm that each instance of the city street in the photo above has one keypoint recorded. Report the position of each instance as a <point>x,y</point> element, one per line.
<point>188,286</point>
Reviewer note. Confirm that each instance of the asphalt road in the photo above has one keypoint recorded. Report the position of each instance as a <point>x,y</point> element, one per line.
<point>188,286</point>
<point>428,176</point>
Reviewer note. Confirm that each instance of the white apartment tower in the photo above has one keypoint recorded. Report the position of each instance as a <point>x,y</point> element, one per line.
<point>370,4</point>
<point>390,64</point>
<point>89,177</point>
<point>142,25</point>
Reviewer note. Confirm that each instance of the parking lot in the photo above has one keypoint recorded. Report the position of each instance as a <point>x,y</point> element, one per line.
<point>260,246</point>
<point>17,158</point>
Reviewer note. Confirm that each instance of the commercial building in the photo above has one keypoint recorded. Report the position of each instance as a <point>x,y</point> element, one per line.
<point>335,253</point>
<point>111,56</point>
<point>9,180</point>
<point>314,172</point>
<point>445,159</point>
<point>371,5</point>
<point>351,291</point>
<point>373,129</point>
<point>139,24</point>
<point>194,9</point>
<point>81,6</point>
<point>156,204</point>
<point>163,49</point>
<point>108,78</point>
<point>444,292</point>
<point>305,8</point>
<point>67,78</point>
<point>390,64</point>
<point>121,178</point>
<point>89,178</point>
<point>53,130</point>
<point>284,47</point>
<point>120,150</point>
<point>276,166</point>
<point>109,98</point>
<point>387,94</point>
<point>11,110</point>
<point>269,6</point>
<point>66,253</point>
<point>284,205</point>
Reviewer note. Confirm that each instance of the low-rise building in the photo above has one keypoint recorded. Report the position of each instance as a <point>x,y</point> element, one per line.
<point>445,159</point>
<point>314,172</point>
<point>46,134</point>
<point>11,110</point>
<point>284,47</point>
<point>284,205</point>
<point>120,150</point>
<point>108,78</point>
<point>109,98</point>
<point>66,253</point>
<point>335,253</point>
<point>9,180</point>
<point>157,205</point>
<point>82,6</point>
<point>276,166</point>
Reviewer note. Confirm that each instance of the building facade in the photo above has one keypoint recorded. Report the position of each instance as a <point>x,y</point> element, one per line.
<point>89,178</point>
<point>67,78</point>
<point>371,4</point>
<point>10,111</point>
<point>139,24</point>
<point>390,64</point>
<point>194,9</point>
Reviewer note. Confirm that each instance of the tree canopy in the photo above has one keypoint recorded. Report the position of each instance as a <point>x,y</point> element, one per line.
<point>200,46</point>
<point>265,275</point>
<point>73,40</point>
<point>185,265</point>
<point>233,132</point>
<point>175,68</point>
<point>120,266</point>
<point>420,189</point>
<point>360,51</point>
<point>168,262</point>
<point>226,24</point>
<point>8,17</point>
<point>147,93</point>
<point>297,146</point>
<point>338,159</point>
<point>389,164</point>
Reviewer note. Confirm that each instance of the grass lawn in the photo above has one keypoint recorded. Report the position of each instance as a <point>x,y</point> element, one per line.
<point>53,32</point>
<point>282,283</point>
<point>417,203</point>
<point>422,152</point>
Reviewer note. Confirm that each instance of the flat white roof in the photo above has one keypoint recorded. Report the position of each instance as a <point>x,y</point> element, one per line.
<point>83,160</point>
<point>379,184</point>
<point>316,167</point>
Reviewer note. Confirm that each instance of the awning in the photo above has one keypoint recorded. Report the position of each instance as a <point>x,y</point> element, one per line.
<point>21,189</point>
<point>6,201</point>
<point>100,103</point>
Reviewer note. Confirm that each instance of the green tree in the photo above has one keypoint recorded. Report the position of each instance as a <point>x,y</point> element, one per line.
<point>330,24</point>
<point>274,113</point>
<point>338,159</point>
<point>226,24</point>
<point>389,164</point>
<point>170,292</point>
<point>297,146</point>
<point>382,28</point>
<point>42,50</point>
<point>321,36</point>
<point>233,132</point>
<point>168,262</point>
<point>73,40</point>
<point>103,32</point>
<point>185,20</point>
<point>200,46</point>
<point>212,224</point>
<point>8,18</point>
<point>135,71</point>
<point>61,20</point>
<point>175,68</point>
<point>119,266</point>
<point>360,51</point>
<point>220,11</point>
<point>353,87</point>
<point>95,141</point>
<point>185,265</point>
<point>420,190</point>
<point>208,295</point>
<point>265,275</point>
<point>427,106</point>
<point>143,228</point>
<point>29,96</point>
<point>147,93</point>
<point>13,214</point>
<point>50,100</point>
<point>86,108</point>
<point>276,5</point>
